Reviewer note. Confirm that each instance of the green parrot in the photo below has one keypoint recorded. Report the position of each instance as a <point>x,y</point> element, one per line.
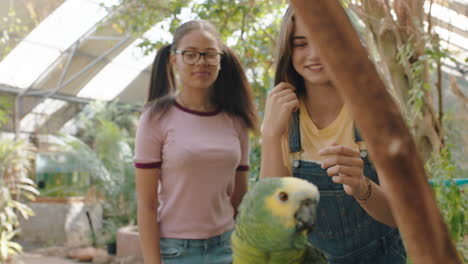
<point>274,219</point>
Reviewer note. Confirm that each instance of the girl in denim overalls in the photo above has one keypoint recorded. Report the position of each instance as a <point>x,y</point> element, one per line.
<point>308,133</point>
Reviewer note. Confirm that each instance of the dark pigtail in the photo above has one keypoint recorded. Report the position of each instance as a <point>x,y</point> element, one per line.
<point>162,84</point>
<point>232,92</point>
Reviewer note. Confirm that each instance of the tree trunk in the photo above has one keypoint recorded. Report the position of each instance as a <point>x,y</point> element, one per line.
<point>400,167</point>
<point>392,37</point>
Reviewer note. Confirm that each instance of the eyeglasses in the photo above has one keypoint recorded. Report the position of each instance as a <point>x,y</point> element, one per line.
<point>212,58</point>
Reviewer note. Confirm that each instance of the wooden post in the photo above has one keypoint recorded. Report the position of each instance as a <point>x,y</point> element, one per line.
<point>393,150</point>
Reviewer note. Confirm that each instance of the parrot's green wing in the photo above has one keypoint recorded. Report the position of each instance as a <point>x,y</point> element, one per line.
<point>243,253</point>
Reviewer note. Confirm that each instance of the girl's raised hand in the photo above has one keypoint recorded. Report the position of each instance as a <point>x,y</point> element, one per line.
<point>345,166</point>
<point>280,103</point>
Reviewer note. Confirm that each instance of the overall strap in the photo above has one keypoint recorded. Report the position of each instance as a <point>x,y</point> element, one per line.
<point>295,133</point>
<point>357,135</point>
<point>360,141</point>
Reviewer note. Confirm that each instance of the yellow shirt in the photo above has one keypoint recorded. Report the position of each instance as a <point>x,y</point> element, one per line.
<point>341,131</point>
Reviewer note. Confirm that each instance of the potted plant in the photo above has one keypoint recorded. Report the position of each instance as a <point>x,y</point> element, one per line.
<point>109,236</point>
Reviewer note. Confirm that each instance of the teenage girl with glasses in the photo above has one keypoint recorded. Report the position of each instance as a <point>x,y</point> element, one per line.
<point>192,149</point>
<point>308,133</point>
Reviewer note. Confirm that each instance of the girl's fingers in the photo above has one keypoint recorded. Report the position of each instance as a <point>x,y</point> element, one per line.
<point>351,182</point>
<point>342,160</point>
<point>288,97</point>
<point>281,97</point>
<point>281,94</point>
<point>339,150</point>
<point>292,105</point>
<point>353,186</point>
<point>346,170</point>
<point>281,87</point>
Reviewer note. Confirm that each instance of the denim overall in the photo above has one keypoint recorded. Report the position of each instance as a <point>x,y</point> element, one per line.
<point>344,231</point>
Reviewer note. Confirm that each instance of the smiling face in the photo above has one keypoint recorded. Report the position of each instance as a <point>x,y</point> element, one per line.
<point>200,75</point>
<point>305,58</point>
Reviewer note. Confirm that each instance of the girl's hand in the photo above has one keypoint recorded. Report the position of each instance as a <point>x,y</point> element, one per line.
<point>345,166</point>
<point>280,103</point>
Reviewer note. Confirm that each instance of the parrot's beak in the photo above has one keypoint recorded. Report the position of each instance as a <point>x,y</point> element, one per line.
<point>305,215</point>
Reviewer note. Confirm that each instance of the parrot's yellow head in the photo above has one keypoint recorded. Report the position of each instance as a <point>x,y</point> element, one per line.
<point>294,203</point>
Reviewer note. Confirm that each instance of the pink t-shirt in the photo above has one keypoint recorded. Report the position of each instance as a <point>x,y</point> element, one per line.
<point>198,154</point>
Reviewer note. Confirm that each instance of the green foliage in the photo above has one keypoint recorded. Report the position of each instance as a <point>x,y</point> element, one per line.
<point>9,248</point>
<point>416,98</point>
<point>15,188</point>
<point>5,108</point>
<point>84,158</point>
<point>12,28</point>
<point>98,162</point>
<point>70,170</point>
<point>109,230</point>
<point>255,159</point>
<point>441,167</point>
<point>432,56</point>
<point>455,134</point>
<point>451,200</point>
<point>101,113</point>
<point>109,129</point>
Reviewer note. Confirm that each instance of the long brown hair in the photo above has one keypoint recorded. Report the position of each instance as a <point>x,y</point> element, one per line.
<point>285,71</point>
<point>230,92</point>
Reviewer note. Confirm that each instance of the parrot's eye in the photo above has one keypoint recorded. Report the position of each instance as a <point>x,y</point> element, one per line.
<point>283,196</point>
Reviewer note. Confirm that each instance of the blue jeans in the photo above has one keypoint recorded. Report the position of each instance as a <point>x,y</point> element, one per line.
<point>213,250</point>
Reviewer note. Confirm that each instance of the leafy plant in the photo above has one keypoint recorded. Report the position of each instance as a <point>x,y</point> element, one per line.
<point>113,146</point>
<point>103,151</point>
<point>14,28</point>
<point>5,107</point>
<point>451,201</point>
<point>15,187</point>
<point>108,130</point>
<point>73,169</point>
